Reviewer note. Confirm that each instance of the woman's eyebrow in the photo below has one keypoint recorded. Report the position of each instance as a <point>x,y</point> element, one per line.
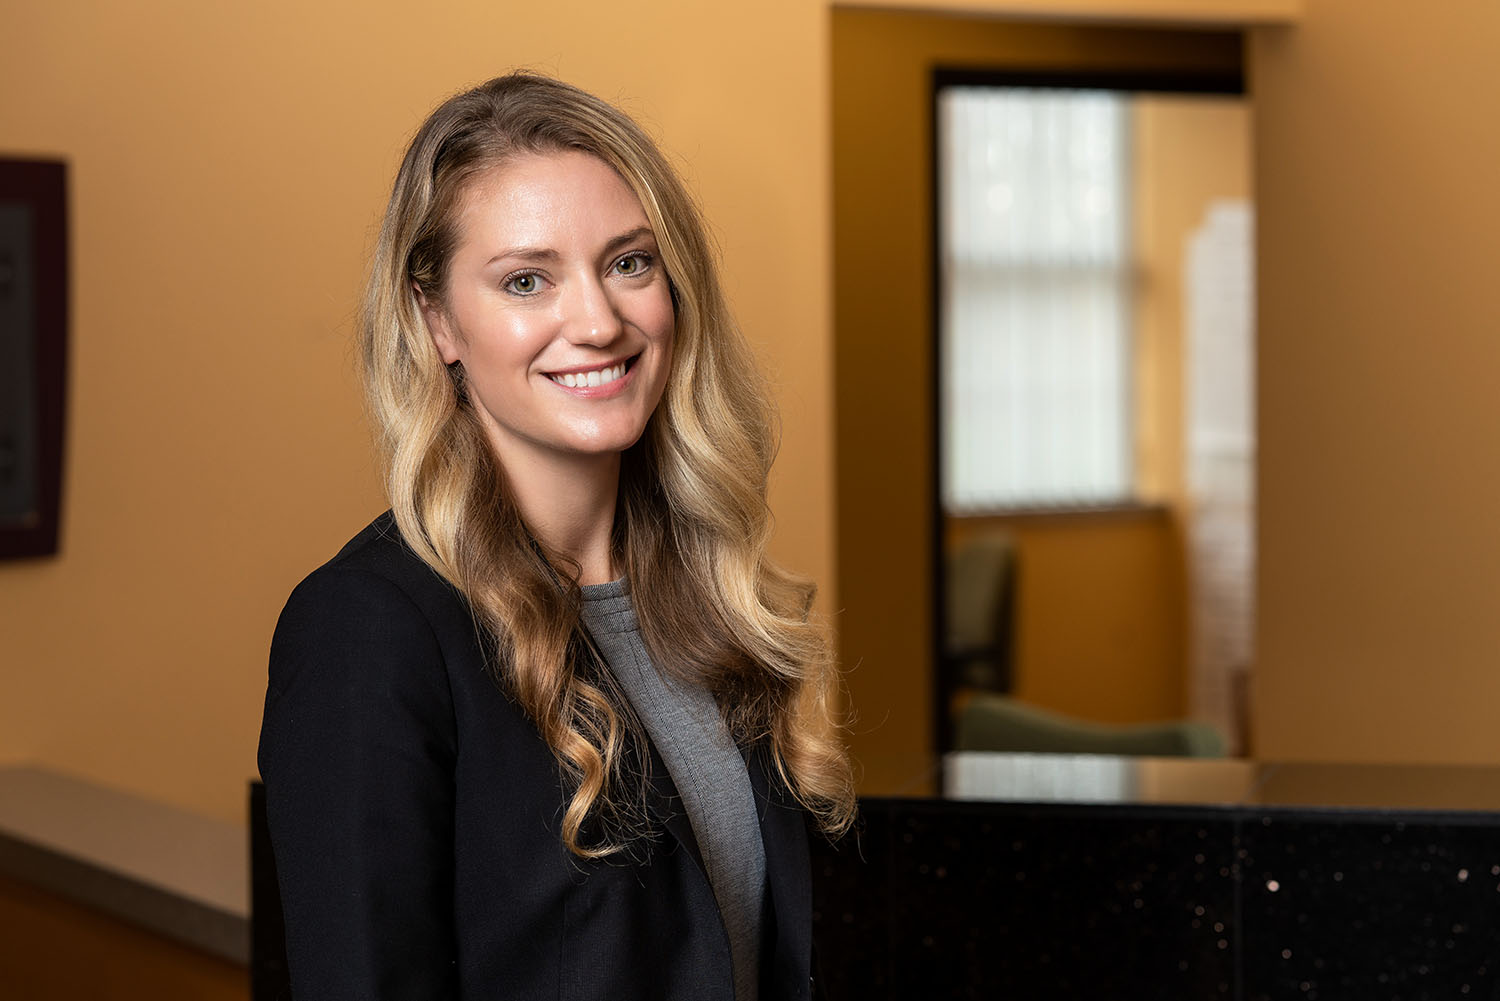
<point>548,255</point>
<point>638,233</point>
<point>526,254</point>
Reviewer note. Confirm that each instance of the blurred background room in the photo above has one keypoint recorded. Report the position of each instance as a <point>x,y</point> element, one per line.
<point>1136,360</point>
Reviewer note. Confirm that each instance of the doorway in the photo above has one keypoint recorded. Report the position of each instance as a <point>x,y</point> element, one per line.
<point>891,528</point>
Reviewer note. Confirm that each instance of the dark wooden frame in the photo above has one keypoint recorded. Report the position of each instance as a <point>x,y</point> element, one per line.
<point>41,185</point>
<point>1132,81</point>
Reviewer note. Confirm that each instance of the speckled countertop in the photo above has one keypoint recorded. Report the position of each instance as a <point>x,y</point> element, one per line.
<point>1098,778</point>
<point>1107,879</point>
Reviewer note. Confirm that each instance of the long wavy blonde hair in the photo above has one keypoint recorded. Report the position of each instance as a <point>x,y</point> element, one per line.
<point>691,525</point>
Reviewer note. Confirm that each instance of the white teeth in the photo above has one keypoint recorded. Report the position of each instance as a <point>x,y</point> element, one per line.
<point>598,377</point>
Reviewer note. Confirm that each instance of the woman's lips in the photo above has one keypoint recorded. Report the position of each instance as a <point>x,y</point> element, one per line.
<point>601,380</point>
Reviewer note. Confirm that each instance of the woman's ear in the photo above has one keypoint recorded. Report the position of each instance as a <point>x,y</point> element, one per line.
<point>439,328</point>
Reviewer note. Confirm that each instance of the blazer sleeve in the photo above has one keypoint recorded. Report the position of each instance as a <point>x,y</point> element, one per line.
<point>357,753</point>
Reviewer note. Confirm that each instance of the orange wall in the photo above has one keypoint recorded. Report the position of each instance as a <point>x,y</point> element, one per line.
<point>1189,151</point>
<point>882,330</point>
<point>1376,160</point>
<point>1099,607</point>
<point>51,947</point>
<point>228,168</point>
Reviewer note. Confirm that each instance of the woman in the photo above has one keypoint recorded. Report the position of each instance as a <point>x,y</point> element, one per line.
<point>552,726</point>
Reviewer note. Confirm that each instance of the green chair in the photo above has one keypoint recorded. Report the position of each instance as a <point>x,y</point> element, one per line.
<point>991,722</point>
<point>979,613</point>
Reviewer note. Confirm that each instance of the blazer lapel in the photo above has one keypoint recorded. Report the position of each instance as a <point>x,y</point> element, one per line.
<point>662,798</point>
<point>666,804</point>
<point>783,831</point>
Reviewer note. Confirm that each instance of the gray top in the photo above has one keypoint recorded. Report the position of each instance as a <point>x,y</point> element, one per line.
<point>710,774</point>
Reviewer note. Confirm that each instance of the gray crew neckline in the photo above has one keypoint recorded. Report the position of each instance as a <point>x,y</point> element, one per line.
<point>607,607</point>
<point>609,589</point>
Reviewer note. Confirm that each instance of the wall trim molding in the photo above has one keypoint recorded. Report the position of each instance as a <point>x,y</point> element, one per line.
<point>1215,13</point>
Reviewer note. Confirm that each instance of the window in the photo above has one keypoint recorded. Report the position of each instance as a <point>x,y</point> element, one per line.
<point>1035,285</point>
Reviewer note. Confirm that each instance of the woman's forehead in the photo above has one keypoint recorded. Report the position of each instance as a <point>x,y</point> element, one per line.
<point>549,195</point>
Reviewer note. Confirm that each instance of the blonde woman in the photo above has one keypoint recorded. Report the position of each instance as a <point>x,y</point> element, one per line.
<point>554,726</point>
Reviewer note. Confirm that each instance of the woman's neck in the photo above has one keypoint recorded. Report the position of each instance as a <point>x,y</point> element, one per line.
<point>568,503</point>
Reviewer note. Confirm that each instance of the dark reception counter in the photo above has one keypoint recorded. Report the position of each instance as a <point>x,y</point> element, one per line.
<point>1045,876</point>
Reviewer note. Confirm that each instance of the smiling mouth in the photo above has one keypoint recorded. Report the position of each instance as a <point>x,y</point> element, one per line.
<point>601,376</point>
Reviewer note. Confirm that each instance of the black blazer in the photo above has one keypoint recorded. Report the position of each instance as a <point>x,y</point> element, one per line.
<point>414,814</point>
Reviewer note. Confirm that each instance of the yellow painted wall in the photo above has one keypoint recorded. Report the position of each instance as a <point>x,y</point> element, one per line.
<point>883,371</point>
<point>1376,157</point>
<point>228,167</point>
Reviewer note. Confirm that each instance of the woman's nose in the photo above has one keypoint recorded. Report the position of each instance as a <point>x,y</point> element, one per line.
<point>592,315</point>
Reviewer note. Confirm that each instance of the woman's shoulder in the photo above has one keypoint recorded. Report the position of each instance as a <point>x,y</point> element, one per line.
<point>374,602</point>
<point>378,549</point>
<point>377,562</point>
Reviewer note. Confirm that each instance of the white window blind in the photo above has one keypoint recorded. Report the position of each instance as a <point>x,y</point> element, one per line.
<point>1219,445</point>
<point>1035,286</point>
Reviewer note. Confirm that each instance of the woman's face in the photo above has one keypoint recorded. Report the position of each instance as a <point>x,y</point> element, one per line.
<point>558,306</point>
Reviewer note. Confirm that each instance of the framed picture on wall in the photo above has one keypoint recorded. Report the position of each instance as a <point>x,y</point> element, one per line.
<point>33,353</point>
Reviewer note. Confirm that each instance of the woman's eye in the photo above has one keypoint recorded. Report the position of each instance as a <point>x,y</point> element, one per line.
<point>527,284</point>
<point>632,264</point>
